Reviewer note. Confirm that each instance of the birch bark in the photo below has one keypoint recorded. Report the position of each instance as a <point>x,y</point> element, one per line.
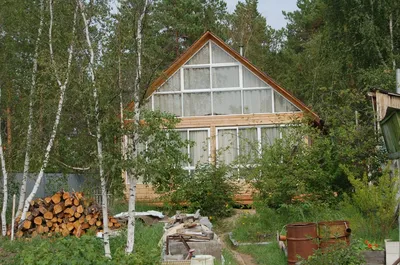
<point>136,98</point>
<point>5,186</point>
<point>62,87</point>
<point>22,192</point>
<point>98,137</point>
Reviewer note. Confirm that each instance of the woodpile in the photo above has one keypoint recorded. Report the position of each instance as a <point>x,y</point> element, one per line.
<point>64,213</point>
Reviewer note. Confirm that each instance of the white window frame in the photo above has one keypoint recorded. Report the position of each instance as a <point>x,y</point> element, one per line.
<point>211,90</point>
<point>188,130</point>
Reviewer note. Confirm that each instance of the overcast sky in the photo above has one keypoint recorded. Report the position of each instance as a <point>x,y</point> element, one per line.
<point>270,9</point>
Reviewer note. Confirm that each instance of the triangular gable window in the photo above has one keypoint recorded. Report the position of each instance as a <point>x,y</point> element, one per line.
<point>172,84</point>
<point>220,56</point>
<point>251,80</point>
<point>282,104</point>
<point>201,57</point>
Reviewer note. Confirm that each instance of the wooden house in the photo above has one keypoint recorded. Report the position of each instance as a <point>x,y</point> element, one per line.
<point>221,98</point>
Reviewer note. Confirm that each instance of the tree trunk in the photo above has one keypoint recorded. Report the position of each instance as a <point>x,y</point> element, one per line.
<point>22,192</point>
<point>391,40</point>
<point>5,185</point>
<point>104,205</point>
<point>63,87</point>
<point>136,98</point>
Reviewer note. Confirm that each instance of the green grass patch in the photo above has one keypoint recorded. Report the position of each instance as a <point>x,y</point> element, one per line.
<point>265,254</point>
<point>85,250</point>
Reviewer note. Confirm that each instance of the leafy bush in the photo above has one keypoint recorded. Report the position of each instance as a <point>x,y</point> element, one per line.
<point>336,254</point>
<point>209,189</point>
<point>85,250</point>
<point>371,207</point>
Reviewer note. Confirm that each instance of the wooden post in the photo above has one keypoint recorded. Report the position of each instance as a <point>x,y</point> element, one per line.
<point>13,218</point>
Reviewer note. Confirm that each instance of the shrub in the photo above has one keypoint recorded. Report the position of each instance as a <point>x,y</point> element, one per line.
<point>372,206</point>
<point>209,189</point>
<point>336,254</point>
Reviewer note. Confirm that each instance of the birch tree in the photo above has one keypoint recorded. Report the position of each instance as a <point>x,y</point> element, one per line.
<point>98,135</point>
<point>62,84</point>
<point>136,95</point>
<point>5,185</point>
<point>22,192</point>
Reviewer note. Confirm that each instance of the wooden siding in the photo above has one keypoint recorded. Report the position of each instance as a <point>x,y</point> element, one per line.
<point>384,101</point>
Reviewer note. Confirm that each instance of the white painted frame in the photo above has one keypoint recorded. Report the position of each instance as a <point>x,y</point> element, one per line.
<point>211,90</point>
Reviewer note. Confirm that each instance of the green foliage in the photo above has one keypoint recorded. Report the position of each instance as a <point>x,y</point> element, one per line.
<point>85,250</point>
<point>373,204</point>
<point>208,188</point>
<point>270,253</point>
<point>290,168</point>
<point>336,254</point>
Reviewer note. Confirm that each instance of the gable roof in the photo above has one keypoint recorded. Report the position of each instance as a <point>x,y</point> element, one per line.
<point>181,60</point>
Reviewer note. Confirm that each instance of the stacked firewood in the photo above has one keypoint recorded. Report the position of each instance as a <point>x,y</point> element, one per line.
<point>65,213</point>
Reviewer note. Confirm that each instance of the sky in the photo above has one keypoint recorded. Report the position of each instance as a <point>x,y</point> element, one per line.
<point>270,9</point>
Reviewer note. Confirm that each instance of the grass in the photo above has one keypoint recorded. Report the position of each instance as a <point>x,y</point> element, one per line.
<point>265,254</point>
<point>85,250</point>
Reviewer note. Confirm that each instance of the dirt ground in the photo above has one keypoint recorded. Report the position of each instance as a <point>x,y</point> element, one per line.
<point>224,227</point>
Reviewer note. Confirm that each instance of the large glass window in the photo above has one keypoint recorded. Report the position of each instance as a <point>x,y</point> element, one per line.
<point>200,151</point>
<point>227,102</point>
<point>246,141</point>
<point>214,83</point>
<point>196,104</point>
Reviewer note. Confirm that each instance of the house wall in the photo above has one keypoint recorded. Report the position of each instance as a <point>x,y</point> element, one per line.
<point>383,101</point>
<point>145,193</point>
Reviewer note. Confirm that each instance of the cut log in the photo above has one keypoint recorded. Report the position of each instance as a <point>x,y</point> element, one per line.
<point>27,224</point>
<point>45,229</point>
<point>76,202</point>
<point>56,198</point>
<point>85,226</point>
<point>71,219</point>
<point>117,225</point>
<point>68,202</point>
<point>79,195</point>
<point>47,200</point>
<point>19,234</point>
<point>79,209</point>
<point>49,223</point>
<point>77,215</point>
<point>34,233</point>
<point>113,220</point>
<point>48,215</point>
<point>54,219</point>
<point>39,229</point>
<point>77,224</point>
<point>66,195</point>
<point>79,232</point>
<point>38,220</point>
<point>42,209</point>
<point>98,223</point>
<point>88,217</point>
<point>35,212</point>
<point>92,221</point>
<point>110,224</point>
<point>65,232</point>
<point>82,219</point>
<point>70,226</point>
<point>58,208</point>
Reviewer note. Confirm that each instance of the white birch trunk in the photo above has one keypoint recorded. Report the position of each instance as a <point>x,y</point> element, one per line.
<point>104,205</point>
<point>22,191</point>
<point>13,218</point>
<point>391,40</point>
<point>136,98</point>
<point>62,87</point>
<point>5,186</point>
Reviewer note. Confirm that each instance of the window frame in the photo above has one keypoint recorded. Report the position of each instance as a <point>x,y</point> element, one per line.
<point>211,90</point>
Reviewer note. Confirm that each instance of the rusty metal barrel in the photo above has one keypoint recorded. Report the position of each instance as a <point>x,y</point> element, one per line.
<point>333,232</point>
<point>302,240</point>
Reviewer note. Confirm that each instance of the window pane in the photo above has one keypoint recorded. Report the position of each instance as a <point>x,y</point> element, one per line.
<point>220,56</point>
<point>201,57</point>
<point>196,104</point>
<point>251,80</point>
<point>197,78</point>
<point>184,150</point>
<point>282,104</point>
<point>257,101</point>
<point>169,103</point>
<point>227,145</point>
<point>198,152</point>
<point>227,102</point>
<point>172,84</point>
<point>225,77</point>
<point>269,134</point>
<point>248,141</point>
